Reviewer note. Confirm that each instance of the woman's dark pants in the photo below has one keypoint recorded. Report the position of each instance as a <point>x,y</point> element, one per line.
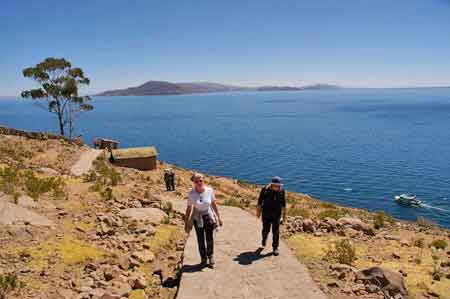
<point>273,222</point>
<point>205,233</point>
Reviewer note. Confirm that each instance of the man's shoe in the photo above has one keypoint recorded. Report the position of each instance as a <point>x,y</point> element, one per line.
<point>211,262</point>
<point>276,252</point>
<point>204,262</point>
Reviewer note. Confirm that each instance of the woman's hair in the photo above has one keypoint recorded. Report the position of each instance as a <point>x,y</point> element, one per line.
<point>196,175</point>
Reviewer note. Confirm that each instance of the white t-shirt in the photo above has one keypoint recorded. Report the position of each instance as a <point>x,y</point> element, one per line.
<point>201,201</point>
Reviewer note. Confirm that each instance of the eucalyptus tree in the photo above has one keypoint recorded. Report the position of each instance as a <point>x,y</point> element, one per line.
<point>58,85</point>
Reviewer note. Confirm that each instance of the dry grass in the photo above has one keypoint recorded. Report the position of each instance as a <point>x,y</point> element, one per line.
<point>165,235</point>
<point>310,249</point>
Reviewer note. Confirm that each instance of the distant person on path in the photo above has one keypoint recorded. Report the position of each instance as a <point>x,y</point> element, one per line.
<point>202,210</point>
<point>272,206</point>
<point>169,179</point>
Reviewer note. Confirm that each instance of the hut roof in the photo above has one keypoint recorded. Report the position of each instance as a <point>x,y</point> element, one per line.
<point>135,152</point>
<point>108,140</point>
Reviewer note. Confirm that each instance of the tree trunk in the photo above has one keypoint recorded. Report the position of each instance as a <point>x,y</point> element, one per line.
<point>61,123</point>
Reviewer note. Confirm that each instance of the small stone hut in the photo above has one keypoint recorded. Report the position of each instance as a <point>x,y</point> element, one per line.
<point>142,158</point>
<point>103,143</point>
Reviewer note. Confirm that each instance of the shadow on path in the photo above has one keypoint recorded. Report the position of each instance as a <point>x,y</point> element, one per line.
<point>192,268</point>
<point>248,257</point>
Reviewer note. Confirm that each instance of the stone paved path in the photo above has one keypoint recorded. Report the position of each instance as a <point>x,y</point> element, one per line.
<point>84,163</point>
<point>240,271</point>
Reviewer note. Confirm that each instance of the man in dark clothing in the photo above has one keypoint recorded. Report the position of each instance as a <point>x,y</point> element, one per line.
<point>271,206</point>
<point>169,179</point>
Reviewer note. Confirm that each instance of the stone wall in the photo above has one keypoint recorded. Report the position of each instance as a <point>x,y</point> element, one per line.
<point>38,135</point>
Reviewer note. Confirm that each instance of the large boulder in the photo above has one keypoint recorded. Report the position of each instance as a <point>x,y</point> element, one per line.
<point>391,283</point>
<point>354,223</point>
<point>13,214</point>
<point>309,226</point>
<point>147,215</point>
<point>27,202</point>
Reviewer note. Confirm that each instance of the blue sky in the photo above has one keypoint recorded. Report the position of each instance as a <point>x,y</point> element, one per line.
<point>366,43</point>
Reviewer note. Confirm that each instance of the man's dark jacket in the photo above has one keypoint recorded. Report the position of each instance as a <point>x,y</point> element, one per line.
<point>271,202</point>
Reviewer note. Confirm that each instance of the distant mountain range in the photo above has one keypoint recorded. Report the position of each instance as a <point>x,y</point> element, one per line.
<point>169,88</point>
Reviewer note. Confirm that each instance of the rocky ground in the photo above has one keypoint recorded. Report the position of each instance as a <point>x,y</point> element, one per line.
<point>112,233</point>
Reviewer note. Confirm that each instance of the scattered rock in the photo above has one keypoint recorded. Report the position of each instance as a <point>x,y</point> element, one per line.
<point>124,262</point>
<point>405,243</point>
<point>65,294</point>
<point>371,288</point>
<point>105,229</point>
<point>433,294</point>
<point>395,255</point>
<point>111,272</point>
<point>392,238</point>
<point>117,290</point>
<point>309,226</point>
<point>148,215</point>
<point>354,223</point>
<point>391,283</point>
<point>333,284</point>
<point>48,171</point>
<point>27,202</point>
<point>144,256</point>
<point>138,281</point>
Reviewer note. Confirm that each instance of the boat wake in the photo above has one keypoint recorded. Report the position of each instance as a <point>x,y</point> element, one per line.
<point>434,208</point>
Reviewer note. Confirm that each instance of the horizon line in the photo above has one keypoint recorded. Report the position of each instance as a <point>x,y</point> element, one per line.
<point>273,85</point>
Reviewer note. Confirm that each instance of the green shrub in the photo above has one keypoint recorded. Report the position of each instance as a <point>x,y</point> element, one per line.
<point>36,186</point>
<point>59,187</point>
<point>97,187</point>
<point>419,242</point>
<point>380,219</point>
<point>342,252</point>
<point>9,178</point>
<point>245,184</point>
<point>233,202</point>
<point>107,175</point>
<point>439,244</point>
<point>424,222</point>
<point>167,207</point>
<point>107,194</point>
<point>147,194</point>
<point>115,177</point>
<point>90,177</point>
<point>332,213</point>
<point>165,220</point>
<point>8,282</point>
<point>297,211</point>
<point>328,205</point>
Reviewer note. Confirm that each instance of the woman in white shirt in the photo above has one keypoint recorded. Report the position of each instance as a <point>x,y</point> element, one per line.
<point>202,210</point>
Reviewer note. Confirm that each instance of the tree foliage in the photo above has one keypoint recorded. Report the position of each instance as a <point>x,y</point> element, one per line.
<point>58,86</point>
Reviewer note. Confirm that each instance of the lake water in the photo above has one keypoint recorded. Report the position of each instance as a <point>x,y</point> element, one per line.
<point>354,147</point>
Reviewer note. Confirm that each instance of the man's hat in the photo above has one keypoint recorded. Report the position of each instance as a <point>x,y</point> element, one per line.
<point>276,180</point>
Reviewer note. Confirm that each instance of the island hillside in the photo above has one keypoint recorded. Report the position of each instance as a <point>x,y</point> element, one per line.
<point>168,88</point>
<point>113,232</point>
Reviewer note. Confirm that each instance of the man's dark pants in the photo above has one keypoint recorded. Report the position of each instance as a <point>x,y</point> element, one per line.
<point>205,233</point>
<point>172,183</point>
<point>274,222</point>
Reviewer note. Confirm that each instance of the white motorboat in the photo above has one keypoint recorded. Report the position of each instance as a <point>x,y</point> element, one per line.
<point>407,199</point>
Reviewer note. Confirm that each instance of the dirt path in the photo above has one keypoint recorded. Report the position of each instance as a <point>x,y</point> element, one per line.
<point>240,271</point>
<point>84,163</point>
